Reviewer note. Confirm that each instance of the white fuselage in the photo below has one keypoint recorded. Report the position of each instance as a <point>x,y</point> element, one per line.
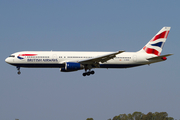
<point>69,61</point>
<point>56,59</point>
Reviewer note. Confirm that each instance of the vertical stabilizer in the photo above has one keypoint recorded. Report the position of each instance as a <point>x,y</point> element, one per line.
<point>155,45</point>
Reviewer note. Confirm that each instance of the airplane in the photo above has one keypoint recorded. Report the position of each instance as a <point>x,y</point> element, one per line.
<point>69,61</point>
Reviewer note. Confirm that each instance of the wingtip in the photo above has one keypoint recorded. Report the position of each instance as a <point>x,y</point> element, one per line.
<point>120,51</point>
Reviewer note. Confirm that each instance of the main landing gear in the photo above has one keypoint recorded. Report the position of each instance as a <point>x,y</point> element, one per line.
<point>88,73</point>
<point>88,67</point>
<point>19,72</point>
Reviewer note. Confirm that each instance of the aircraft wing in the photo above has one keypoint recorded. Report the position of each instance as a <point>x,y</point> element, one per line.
<point>101,59</point>
<point>159,57</point>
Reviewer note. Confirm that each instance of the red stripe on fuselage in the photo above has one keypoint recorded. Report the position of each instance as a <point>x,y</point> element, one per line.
<point>27,54</point>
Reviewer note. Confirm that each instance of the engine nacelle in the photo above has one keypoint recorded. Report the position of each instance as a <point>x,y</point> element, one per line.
<point>71,66</point>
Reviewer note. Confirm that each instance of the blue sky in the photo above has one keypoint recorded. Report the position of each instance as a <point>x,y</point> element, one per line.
<point>43,94</point>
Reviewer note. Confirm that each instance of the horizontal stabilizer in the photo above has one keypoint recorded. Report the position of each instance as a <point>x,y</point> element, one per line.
<point>160,57</point>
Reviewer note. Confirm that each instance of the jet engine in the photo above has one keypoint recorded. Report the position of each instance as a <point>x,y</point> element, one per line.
<point>71,66</point>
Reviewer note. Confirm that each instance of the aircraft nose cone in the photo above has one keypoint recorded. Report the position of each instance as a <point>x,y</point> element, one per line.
<point>7,60</point>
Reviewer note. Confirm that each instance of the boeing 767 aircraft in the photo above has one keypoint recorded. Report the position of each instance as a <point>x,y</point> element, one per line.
<point>69,61</point>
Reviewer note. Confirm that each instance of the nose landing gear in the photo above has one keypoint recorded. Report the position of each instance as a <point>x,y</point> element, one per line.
<point>19,72</point>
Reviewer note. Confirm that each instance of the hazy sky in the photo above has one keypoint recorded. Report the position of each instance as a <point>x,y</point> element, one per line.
<point>48,94</point>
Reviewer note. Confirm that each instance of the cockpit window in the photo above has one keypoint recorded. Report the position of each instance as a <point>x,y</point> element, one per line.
<point>12,56</point>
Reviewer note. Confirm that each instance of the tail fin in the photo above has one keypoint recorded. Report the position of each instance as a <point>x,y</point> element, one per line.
<point>155,45</point>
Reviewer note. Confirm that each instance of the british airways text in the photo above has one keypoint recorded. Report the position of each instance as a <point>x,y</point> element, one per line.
<point>42,60</point>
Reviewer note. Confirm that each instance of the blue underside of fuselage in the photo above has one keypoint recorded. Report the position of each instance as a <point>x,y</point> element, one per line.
<point>119,65</point>
<point>63,65</point>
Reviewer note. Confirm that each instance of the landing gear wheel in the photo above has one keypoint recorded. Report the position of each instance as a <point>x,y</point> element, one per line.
<point>84,74</point>
<point>18,72</point>
<point>18,68</point>
<point>88,73</point>
<point>92,72</point>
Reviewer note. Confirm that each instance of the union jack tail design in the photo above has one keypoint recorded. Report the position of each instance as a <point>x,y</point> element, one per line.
<point>155,45</point>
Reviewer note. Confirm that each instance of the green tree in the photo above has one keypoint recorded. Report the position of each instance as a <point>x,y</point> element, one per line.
<point>116,118</point>
<point>89,119</point>
<point>129,117</point>
<point>149,116</point>
<point>141,116</point>
<point>160,116</point>
<point>170,118</point>
<point>137,115</point>
<point>123,117</point>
